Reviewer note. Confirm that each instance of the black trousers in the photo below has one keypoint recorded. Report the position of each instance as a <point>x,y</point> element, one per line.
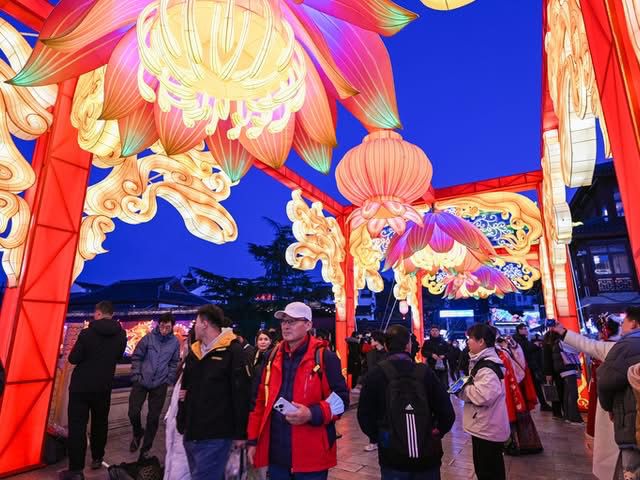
<point>487,459</point>
<point>137,398</point>
<point>81,405</point>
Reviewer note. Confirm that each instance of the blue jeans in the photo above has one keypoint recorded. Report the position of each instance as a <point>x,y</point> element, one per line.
<point>281,473</point>
<point>207,458</point>
<point>389,474</point>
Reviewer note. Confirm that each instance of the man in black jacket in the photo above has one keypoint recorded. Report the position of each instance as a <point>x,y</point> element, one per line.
<point>435,352</point>
<point>372,407</point>
<point>95,356</point>
<point>215,395</point>
<point>532,356</point>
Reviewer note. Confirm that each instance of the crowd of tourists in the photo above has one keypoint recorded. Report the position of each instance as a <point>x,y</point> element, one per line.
<point>274,404</point>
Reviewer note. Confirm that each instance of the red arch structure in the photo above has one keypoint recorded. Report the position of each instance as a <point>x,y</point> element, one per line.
<point>33,313</point>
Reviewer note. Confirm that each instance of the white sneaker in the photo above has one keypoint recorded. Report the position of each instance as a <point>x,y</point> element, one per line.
<point>371,447</point>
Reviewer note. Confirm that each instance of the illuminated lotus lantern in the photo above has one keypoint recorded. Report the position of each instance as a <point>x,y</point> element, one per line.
<point>481,283</point>
<point>252,77</point>
<point>441,241</point>
<point>383,176</point>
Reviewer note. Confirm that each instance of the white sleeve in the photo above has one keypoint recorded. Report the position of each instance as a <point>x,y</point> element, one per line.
<point>596,348</point>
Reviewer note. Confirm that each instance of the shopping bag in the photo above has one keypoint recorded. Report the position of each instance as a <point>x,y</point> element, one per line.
<point>237,467</point>
<point>550,393</point>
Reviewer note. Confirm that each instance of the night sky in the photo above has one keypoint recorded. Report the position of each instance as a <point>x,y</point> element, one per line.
<point>468,87</point>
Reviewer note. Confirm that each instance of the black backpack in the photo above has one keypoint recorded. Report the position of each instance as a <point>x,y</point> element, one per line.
<point>408,423</point>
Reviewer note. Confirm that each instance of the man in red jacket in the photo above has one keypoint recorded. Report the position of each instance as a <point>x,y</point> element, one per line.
<point>304,372</point>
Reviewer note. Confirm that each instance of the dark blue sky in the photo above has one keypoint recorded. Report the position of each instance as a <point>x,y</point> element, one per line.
<point>468,87</point>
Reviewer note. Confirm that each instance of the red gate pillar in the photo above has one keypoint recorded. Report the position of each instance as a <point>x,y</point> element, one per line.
<point>618,77</point>
<point>417,320</point>
<point>33,313</point>
<point>346,322</point>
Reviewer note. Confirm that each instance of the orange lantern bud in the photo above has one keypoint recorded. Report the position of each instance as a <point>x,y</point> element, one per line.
<point>383,176</point>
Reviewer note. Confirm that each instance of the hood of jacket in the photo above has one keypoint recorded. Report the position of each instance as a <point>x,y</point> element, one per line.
<point>632,334</point>
<point>486,354</point>
<point>107,327</point>
<point>222,341</point>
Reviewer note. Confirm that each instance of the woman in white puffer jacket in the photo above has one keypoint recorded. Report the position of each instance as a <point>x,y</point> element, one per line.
<point>605,450</point>
<point>176,466</point>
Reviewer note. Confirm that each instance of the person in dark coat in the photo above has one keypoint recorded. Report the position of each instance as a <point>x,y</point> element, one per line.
<point>532,356</point>
<point>95,356</point>
<point>215,395</point>
<point>453,359</point>
<point>372,408</point>
<point>354,358</point>
<point>435,352</point>
<point>616,395</point>
<point>153,368</point>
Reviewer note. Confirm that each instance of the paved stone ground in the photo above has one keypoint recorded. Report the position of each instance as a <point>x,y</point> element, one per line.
<point>566,456</point>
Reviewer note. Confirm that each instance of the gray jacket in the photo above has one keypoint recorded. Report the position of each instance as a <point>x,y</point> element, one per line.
<point>155,360</point>
<point>614,391</point>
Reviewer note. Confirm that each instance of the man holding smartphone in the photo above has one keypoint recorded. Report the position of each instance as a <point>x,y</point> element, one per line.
<point>301,372</point>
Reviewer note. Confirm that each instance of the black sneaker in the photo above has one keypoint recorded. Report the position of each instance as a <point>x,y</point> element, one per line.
<point>70,475</point>
<point>135,443</point>
<point>546,408</point>
<point>144,455</point>
<point>96,464</point>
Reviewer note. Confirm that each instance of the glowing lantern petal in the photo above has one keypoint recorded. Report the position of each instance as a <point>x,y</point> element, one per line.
<point>383,176</point>
<point>380,16</point>
<point>315,115</point>
<point>104,17</point>
<point>48,66</point>
<point>65,16</point>
<point>271,148</point>
<point>174,135</point>
<point>230,155</point>
<point>443,240</point>
<point>121,96</point>
<point>446,4</point>
<point>308,34</point>
<point>364,61</point>
<point>137,130</point>
<point>315,154</point>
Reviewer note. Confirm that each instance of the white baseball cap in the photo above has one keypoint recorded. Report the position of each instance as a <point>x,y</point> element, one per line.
<point>295,310</point>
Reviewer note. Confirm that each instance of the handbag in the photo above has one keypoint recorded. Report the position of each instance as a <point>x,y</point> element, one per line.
<point>237,467</point>
<point>550,393</point>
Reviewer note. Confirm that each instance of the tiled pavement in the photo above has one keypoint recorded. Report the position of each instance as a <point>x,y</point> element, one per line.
<point>565,456</point>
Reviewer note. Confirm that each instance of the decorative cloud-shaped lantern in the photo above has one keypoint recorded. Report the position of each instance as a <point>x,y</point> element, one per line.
<point>383,176</point>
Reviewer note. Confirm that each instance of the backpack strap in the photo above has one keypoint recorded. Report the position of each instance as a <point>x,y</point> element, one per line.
<point>487,364</point>
<point>267,376</point>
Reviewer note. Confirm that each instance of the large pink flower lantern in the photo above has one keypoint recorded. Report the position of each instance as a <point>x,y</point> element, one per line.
<point>482,283</point>
<point>442,240</point>
<point>383,176</point>
<point>267,72</point>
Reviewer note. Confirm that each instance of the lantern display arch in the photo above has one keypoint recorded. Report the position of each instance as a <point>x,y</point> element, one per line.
<point>477,239</point>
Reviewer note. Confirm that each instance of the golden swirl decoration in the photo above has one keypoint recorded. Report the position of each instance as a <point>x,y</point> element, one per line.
<point>529,274</point>
<point>558,223</point>
<point>319,238</point>
<point>93,233</point>
<point>406,287</point>
<point>100,137</point>
<point>367,255</point>
<point>23,114</point>
<point>524,217</point>
<point>431,283</point>
<point>130,193</point>
<point>573,90</point>
<point>547,280</point>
